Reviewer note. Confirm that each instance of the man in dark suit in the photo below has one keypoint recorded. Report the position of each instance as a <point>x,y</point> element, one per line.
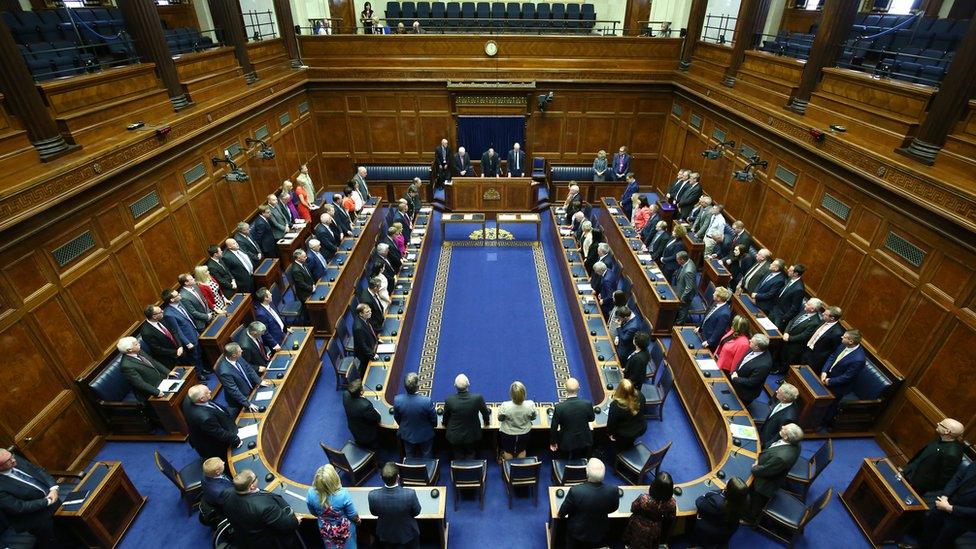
<point>402,216</point>
<point>265,313</point>
<point>689,195</point>
<point>626,200</point>
<point>248,244</point>
<point>841,370</point>
<point>240,266</point>
<point>362,419</point>
<point>143,372</point>
<point>784,411</point>
<point>253,349</point>
<point>416,419</point>
<point>677,185</point>
<point>29,496</point>
<point>217,487</point>
<point>316,261</point>
<point>301,279</point>
<point>824,339</point>
<point>655,245</point>
<point>462,164</point>
<point>381,257</point>
<point>327,235</point>
<point>212,430</point>
<point>790,299</point>
<point>461,412</point>
<point>280,218</point>
<point>751,279</point>
<point>370,296</point>
<point>934,465</point>
<point>605,254</point>
<point>650,226</point>
<point>954,513</point>
<point>635,367</point>
<point>739,236</point>
<point>238,379</point>
<point>395,256</point>
<point>260,519</point>
<point>395,509</point>
<point>364,338</point>
<point>516,161</point>
<point>630,324</point>
<point>442,162</point>
<point>750,374</point>
<point>684,286</point>
<point>769,287</point>
<point>604,283</point>
<point>194,302</point>
<point>489,164</point>
<point>717,318</point>
<point>587,508</point>
<point>669,255</point>
<point>339,214</point>
<point>621,164</point>
<point>569,431</point>
<point>797,333</point>
<point>775,462</point>
<point>219,271</point>
<point>262,232</point>
<point>180,324</point>
<point>160,340</point>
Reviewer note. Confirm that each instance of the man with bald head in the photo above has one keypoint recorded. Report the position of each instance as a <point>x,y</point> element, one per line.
<point>587,508</point>
<point>569,431</point>
<point>211,427</point>
<point>239,265</point>
<point>461,410</point>
<point>933,466</point>
<point>29,496</point>
<point>462,163</point>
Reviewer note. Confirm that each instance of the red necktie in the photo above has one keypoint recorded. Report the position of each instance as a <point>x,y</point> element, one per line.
<point>264,355</point>
<point>167,333</point>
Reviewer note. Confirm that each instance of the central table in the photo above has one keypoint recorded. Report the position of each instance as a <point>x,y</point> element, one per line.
<point>475,218</point>
<point>532,218</point>
<point>489,194</point>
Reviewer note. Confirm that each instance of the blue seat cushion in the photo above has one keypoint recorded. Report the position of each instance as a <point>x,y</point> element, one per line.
<point>431,464</point>
<point>571,173</point>
<point>192,474</point>
<point>291,308</point>
<point>872,383</point>
<point>507,464</point>
<point>111,385</point>
<point>559,466</point>
<point>401,172</point>
<point>786,508</point>
<point>800,470</point>
<point>652,393</point>
<point>356,456</point>
<point>635,457</point>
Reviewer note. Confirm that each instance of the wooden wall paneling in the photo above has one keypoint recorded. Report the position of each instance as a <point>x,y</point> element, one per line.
<point>842,272</point>
<point>62,437</point>
<point>773,211</point>
<point>950,376</point>
<point>545,136</point>
<point>876,300</point>
<point>167,249</point>
<point>28,275</point>
<point>30,378</point>
<point>914,427</point>
<point>793,240</point>
<point>822,245</point>
<point>62,337</point>
<point>383,136</point>
<point>134,266</point>
<point>909,348</point>
<point>115,223</point>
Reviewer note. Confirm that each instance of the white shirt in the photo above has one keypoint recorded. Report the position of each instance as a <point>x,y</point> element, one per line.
<point>779,406</point>
<point>357,200</point>
<point>717,224</point>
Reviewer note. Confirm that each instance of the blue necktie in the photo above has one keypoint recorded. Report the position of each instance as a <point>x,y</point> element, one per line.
<point>246,379</point>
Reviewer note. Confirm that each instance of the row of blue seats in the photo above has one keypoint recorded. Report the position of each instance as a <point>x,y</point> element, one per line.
<point>57,24</point>
<point>186,40</point>
<point>909,64</point>
<point>494,14</point>
<point>48,60</point>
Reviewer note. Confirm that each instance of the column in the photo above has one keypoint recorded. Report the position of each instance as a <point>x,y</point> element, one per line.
<point>696,18</point>
<point>949,103</point>
<point>26,102</point>
<point>143,24</point>
<point>838,16</point>
<point>286,28</point>
<point>747,23</point>
<point>227,17</point>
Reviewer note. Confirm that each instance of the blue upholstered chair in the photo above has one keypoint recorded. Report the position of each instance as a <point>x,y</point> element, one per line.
<point>418,471</point>
<point>188,479</point>
<point>785,516</point>
<point>521,472</point>
<point>567,472</point>
<point>633,464</point>
<point>656,394</point>
<point>469,474</point>
<point>804,472</point>
<point>356,461</point>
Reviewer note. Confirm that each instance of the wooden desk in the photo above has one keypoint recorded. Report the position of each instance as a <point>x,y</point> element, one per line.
<point>667,211</point>
<point>169,408</point>
<point>521,218</point>
<point>466,218</point>
<point>218,333</point>
<point>490,194</point>
<point>814,399</point>
<point>881,502</point>
<point>657,300</point>
<point>267,273</point>
<point>743,305</point>
<point>694,246</point>
<point>288,244</point>
<point>714,273</point>
<point>109,509</point>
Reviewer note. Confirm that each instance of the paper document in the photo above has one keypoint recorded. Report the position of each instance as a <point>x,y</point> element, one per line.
<point>645,257</point>
<point>744,431</point>
<point>767,324</point>
<point>420,231</point>
<point>614,211</point>
<point>507,217</point>
<point>707,364</point>
<point>584,287</point>
<point>588,299</point>
<point>411,257</point>
<point>77,497</point>
<point>291,235</point>
<point>170,385</point>
<point>385,348</point>
<point>415,240</point>
<point>263,395</point>
<point>247,431</point>
<point>565,231</point>
<point>468,217</point>
<point>368,211</point>
<point>426,209</point>
<point>278,366</point>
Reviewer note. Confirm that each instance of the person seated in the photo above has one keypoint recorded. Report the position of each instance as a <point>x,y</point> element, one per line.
<point>954,513</point>
<point>934,465</point>
<point>625,418</point>
<point>733,345</point>
<point>717,319</point>
<point>719,513</point>
<point>587,507</point>
<point>515,417</point>
<point>29,497</point>
<point>260,519</point>
<point>569,427</point>
<point>361,417</point>
<point>750,375</point>
<point>652,515</point>
<point>217,487</point>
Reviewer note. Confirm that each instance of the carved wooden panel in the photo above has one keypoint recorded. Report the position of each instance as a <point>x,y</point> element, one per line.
<point>62,337</point>
<point>949,379</point>
<point>30,380</point>
<point>63,433</point>
<point>876,299</point>
<point>161,244</point>
<point>909,349</point>
<point>27,275</point>
<point>99,295</point>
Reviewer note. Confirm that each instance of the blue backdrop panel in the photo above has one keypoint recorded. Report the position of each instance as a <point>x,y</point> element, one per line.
<point>477,133</point>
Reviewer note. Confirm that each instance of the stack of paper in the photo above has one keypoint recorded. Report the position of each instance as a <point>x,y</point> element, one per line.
<point>385,348</point>
<point>614,211</point>
<point>468,217</point>
<point>291,235</point>
<point>415,240</point>
<point>584,287</point>
<point>767,324</point>
<point>368,211</point>
<point>426,209</point>
<point>170,385</point>
<point>261,396</point>
<point>247,431</point>
<point>744,431</point>
<point>707,364</point>
<point>644,257</point>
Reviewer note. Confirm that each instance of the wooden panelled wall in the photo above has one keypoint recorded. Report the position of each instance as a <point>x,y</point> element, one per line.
<point>920,319</point>
<point>400,124</point>
<point>57,323</point>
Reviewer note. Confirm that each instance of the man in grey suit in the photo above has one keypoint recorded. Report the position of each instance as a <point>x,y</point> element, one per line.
<point>684,285</point>
<point>360,180</point>
<point>774,464</point>
<point>395,509</point>
<point>279,219</point>
<point>194,302</point>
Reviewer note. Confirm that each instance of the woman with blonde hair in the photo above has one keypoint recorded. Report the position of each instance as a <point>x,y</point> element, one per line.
<point>398,238</point>
<point>600,166</point>
<point>332,505</point>
<point>210,289</point>
<point>515,418</point>
<point>625,420</point>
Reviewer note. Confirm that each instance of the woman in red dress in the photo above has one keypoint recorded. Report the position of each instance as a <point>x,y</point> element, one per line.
<point>651,515</point>
<point>733,346</point>
<point>300,198</point>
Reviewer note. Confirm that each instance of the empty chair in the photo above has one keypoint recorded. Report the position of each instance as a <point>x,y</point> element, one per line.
<point>189,479</point>
<point>655,395</point>
<point>418,471</point>
<point>497,14</point>
<point>542,15</point>
<point>521,472</point>
<point>888,21</point>
<point>633,464</point>
<point>408,12</point>
<point>423,13</point>
<point>567,472</point>
<point>558,16</point>
<point>357,462</point>
<point>588,16</point>
<point>469,474</point>
<point>528,15</point>
<point>392,13</point>
<point>573,17</point>
<point>656,351</point>
<point>785,516</point>
<point>453,15</point>
<point>804,472</point>
<point>483,13</point>
<point>468,15</point>
<point>341,364</point>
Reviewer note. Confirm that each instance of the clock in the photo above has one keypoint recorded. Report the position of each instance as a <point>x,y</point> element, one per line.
<point>491,48</point>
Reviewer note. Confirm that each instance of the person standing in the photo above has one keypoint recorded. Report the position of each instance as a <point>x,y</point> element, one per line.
<point>717,319</point>
<point>635,367</point>
<point>719,513</point>
<point>632,188</point>
<point>489,164</point>
<point>684,286</point>
<point>260,519</point>
<point>212,430</point>
<point>770,471</point>
<point>395,509</point>
<point>442,160</point>
<point>625,418</point>
<point>569,431</point>
<point>416,419</point>
<point>515,419</point>
<point>750,374</point>
<point>332,506</point>
<point>784,411</point>
<point>363,420</point>
<point>461,412</point>
<point>621,164</point>
<point>143,372</point>
<point>462,163</point>
<point>587,508</point>
<point>652,515</point>
<point>364,339</point>
<point>515,162</point>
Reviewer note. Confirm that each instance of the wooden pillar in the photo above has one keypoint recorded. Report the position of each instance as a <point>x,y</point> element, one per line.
<point>696,19</point>
<point>286,29</point>
<point>143,24</point>
<point>745,35</point>
<point>948,104</point>
<point>25,100</point>
<point>931,7</point>
<point>835,27</point>
<point>227,17</point>
<point>637,11</point>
